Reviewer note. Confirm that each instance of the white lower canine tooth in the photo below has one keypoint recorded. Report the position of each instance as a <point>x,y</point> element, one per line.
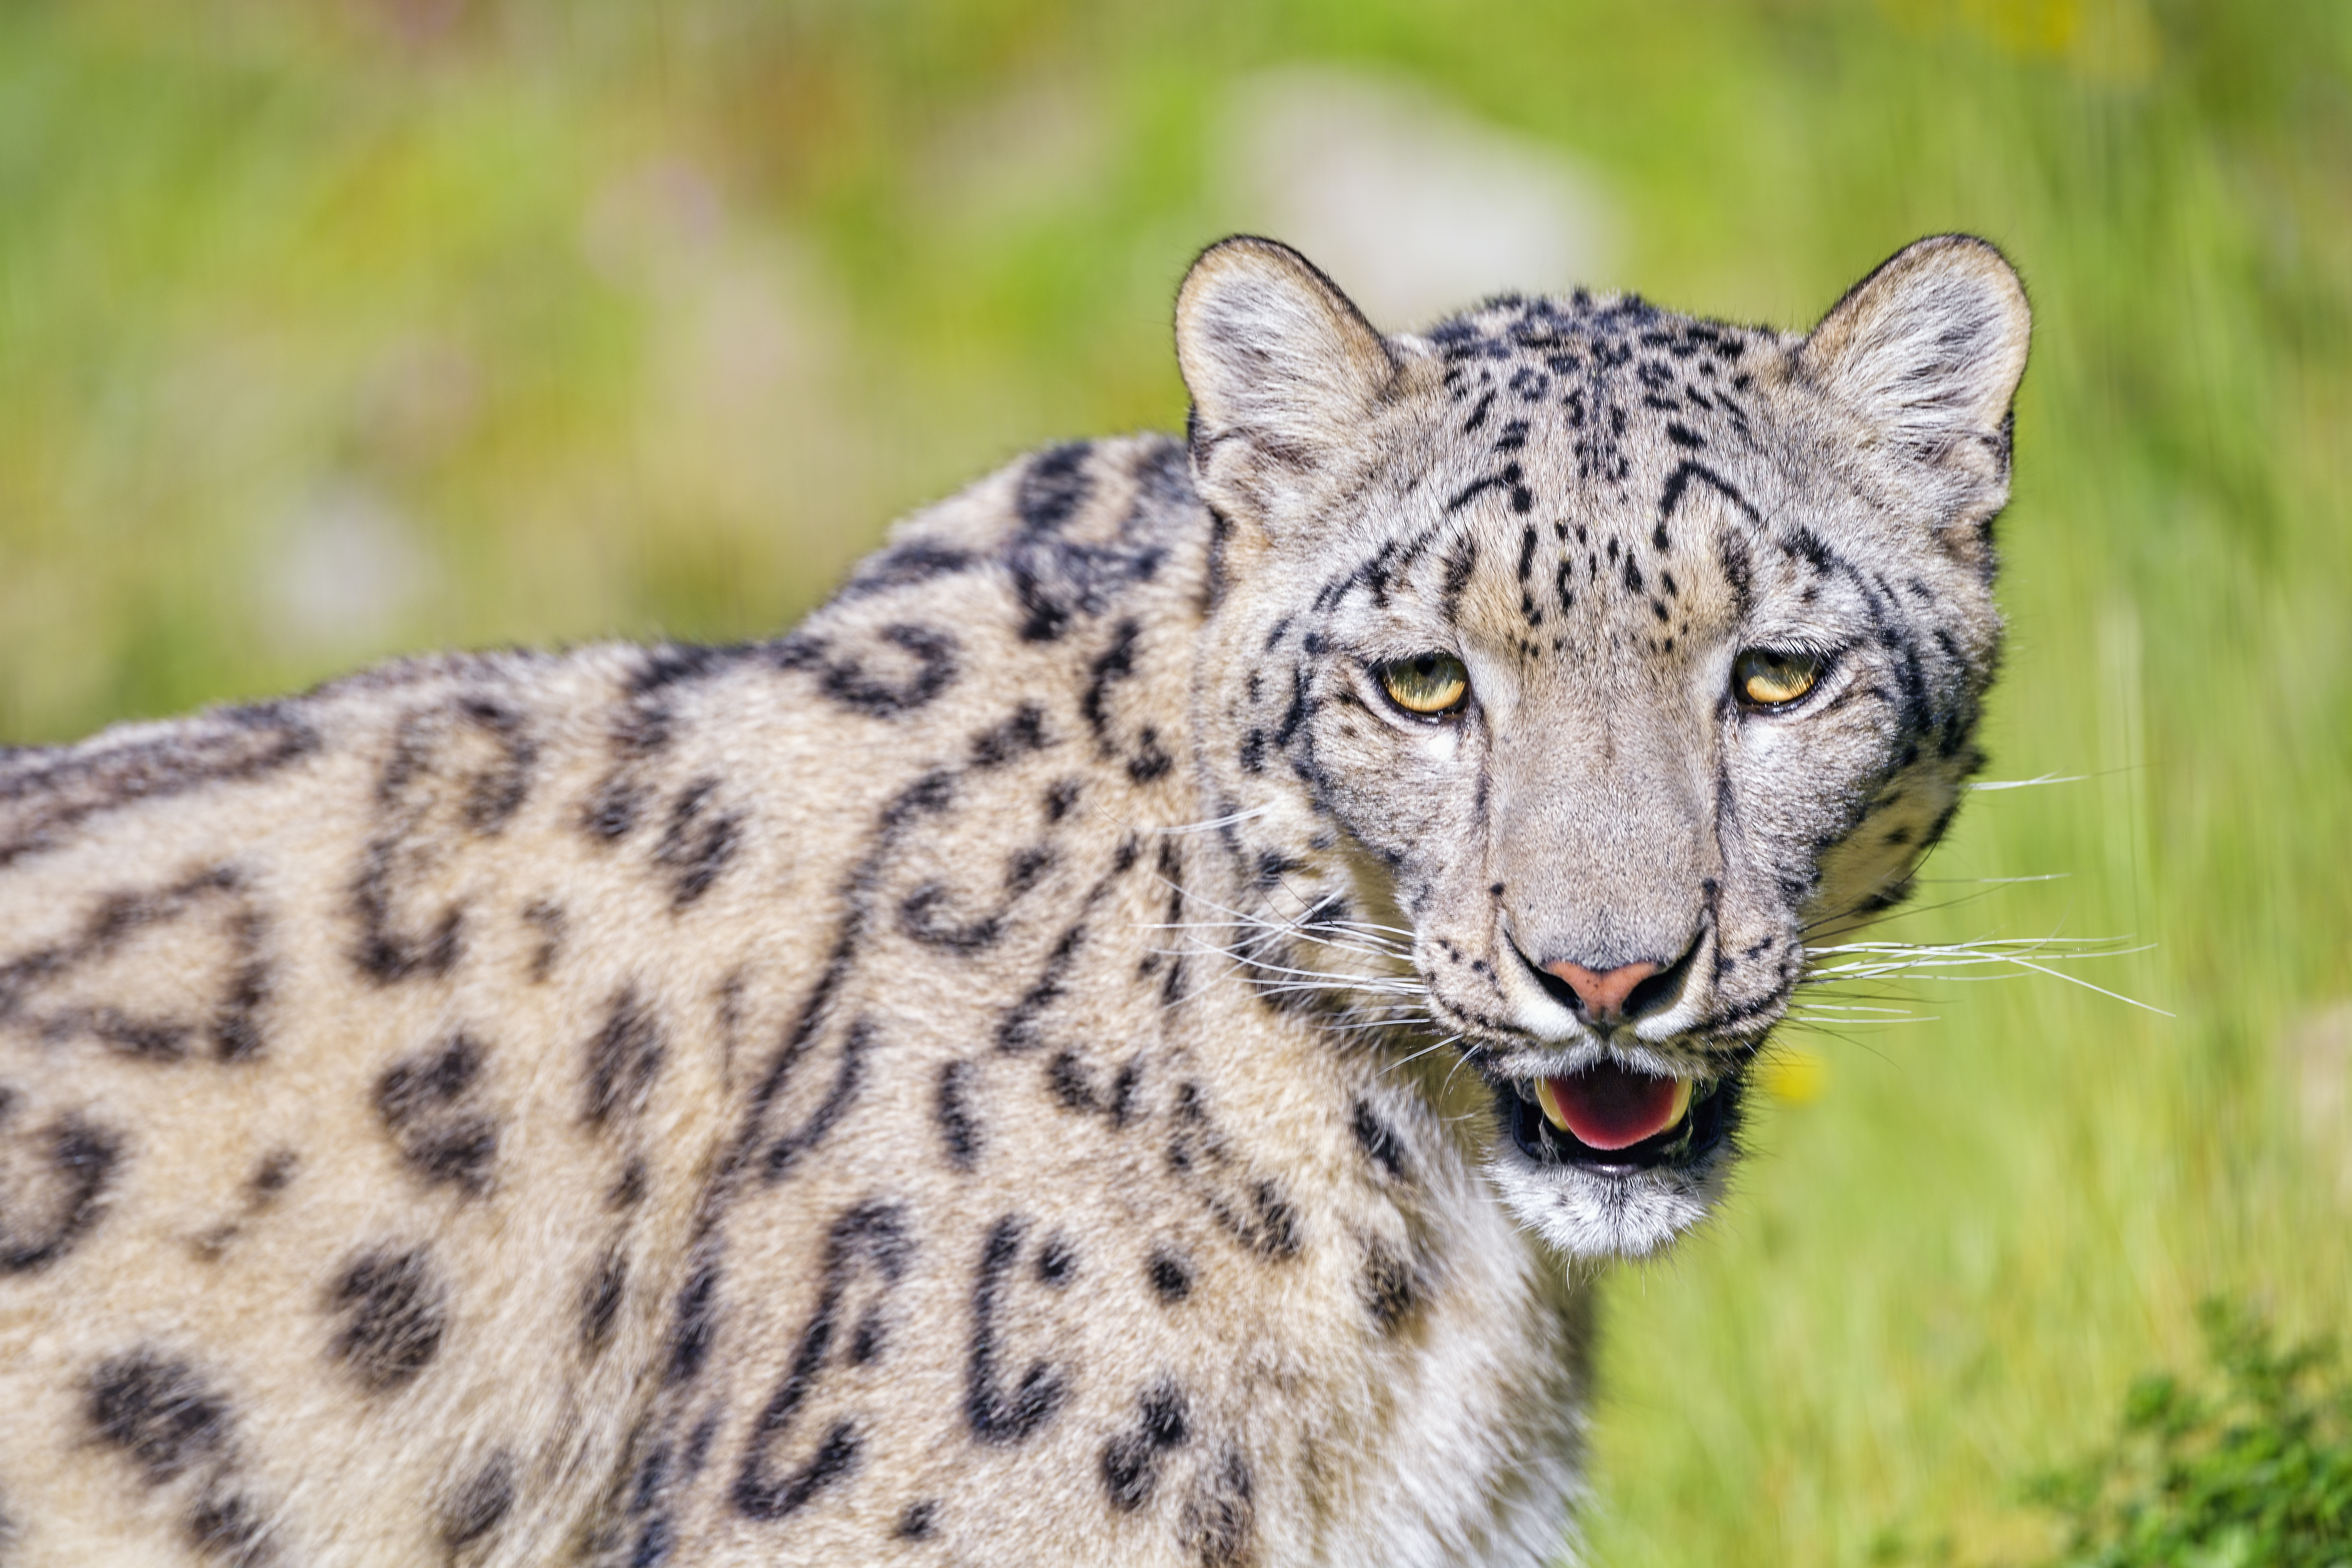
<point>1548,1097</point>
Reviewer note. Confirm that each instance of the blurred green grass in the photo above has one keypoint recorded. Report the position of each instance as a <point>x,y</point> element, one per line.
<point>637,320</point>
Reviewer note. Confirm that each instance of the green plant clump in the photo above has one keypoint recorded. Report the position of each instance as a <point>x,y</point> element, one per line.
<point>2259,1475</point>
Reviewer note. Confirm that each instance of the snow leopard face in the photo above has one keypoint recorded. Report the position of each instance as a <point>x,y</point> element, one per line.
<point>1576,663</point>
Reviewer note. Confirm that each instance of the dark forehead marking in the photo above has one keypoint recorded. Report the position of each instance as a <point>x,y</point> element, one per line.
<point>1584,343</point>
<point>1804,543</point>
<point>1379,572</point>
<point>1624,334</point>
<point>1670,499</point>
<point>1567,351</point>
<point>1512,477</point>
<point>1389,563</point>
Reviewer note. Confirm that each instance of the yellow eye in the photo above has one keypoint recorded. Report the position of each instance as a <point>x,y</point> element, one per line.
<point>1768,679</point>
<point>1428,684</point>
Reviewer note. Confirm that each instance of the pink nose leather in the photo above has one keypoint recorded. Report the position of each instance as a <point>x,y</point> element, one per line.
<point>1603,994</point>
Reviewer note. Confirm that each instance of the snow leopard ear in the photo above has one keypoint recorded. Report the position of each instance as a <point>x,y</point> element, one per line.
<point>1282,367</point>
<point>1927,350</point>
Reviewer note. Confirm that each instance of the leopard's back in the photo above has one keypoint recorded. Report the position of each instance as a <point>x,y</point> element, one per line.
<point>359,1090</point>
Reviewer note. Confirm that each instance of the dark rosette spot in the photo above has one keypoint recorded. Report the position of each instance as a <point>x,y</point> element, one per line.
<point>395,1308</point>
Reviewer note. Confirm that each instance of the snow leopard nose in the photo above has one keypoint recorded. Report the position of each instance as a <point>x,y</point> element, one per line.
<point>1604,992</point>
<point>1624,994</point>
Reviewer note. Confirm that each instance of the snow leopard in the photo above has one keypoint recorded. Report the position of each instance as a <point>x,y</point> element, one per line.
<point>1125,1035</point>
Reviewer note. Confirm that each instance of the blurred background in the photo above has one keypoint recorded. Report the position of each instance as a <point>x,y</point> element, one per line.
<point>332,329</point>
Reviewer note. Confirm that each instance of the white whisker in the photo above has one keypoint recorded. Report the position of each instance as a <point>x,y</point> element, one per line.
<point>2029,783</point>
<point>2005,956</point>
<point>1825,1009</point>
<point>1992,881</point>
<point>1211,826</point>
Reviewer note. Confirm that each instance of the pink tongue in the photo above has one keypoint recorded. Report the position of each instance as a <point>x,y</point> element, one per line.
<point>1607,1108</point>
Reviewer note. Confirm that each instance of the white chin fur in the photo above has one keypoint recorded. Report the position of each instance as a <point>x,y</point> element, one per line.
<point>1588,1215</point>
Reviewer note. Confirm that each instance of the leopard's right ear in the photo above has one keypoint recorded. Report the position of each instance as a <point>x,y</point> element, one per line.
<point>1282,367</point>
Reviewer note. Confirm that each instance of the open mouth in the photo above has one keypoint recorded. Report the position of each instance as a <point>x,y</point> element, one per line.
<point>1610,1118</point>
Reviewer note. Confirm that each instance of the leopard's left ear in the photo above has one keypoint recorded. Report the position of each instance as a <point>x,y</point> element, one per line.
<point>1928,350</point>
<point>1282,367</point>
